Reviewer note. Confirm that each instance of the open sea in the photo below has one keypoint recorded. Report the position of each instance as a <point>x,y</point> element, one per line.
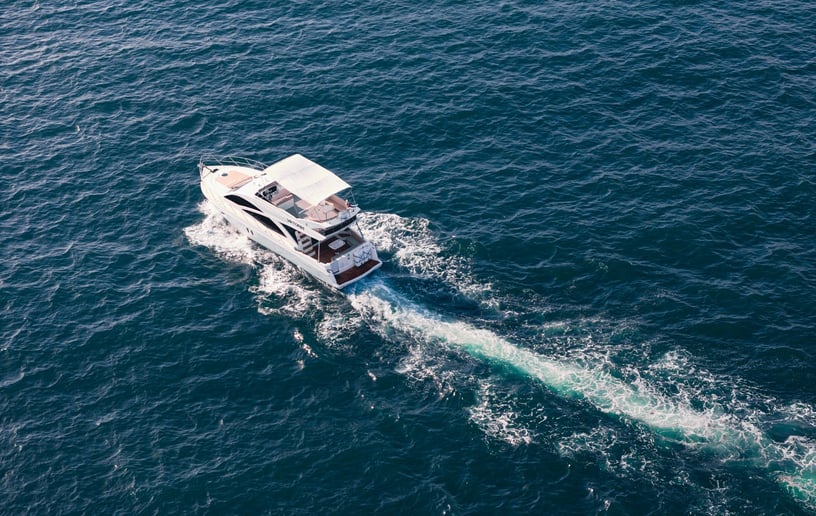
<point>598,227</point>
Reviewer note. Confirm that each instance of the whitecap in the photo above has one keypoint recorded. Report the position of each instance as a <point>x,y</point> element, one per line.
<point>497,419</point>
<point>417,249</point>
<point>217,234</point>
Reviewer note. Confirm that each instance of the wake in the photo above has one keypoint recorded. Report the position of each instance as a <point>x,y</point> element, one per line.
<point>791,463</point>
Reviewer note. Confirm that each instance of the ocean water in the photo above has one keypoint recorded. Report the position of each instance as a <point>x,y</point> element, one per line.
<point>597,221</point>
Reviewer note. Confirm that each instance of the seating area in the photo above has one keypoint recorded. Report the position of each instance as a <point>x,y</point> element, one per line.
<point>341,243</point>
<point>321,212</point>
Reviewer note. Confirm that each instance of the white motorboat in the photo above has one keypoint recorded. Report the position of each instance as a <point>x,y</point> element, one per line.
<point>293,209</point>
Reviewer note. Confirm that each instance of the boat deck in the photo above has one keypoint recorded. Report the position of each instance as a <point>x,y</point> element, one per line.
<point>231,178</point>
<point>356,272</point>
<point>330,248</point>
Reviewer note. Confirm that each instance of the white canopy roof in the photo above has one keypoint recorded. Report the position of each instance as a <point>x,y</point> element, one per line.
<point>305,178</point>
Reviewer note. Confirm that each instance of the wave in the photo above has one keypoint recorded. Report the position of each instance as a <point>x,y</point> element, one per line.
<point>214,232</point>
<point>497,418</point>
<point>281,288</point>
<point>415,248</point>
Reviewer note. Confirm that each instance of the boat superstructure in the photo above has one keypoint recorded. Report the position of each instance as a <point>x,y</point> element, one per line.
<point>293,209</point>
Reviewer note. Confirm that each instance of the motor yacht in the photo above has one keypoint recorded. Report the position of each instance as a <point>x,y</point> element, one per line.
<point>294,209</point>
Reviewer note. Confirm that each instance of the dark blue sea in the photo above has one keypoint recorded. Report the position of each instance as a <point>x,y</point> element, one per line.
<point>598,227</point>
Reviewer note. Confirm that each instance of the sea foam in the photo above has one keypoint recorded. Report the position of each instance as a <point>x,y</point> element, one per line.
<point>792,463</point>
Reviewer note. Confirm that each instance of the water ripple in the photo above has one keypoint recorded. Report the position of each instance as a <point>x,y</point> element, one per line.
<point>631,183</point>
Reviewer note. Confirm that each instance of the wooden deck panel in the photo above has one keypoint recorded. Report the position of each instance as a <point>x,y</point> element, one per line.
<point>327,253</point>
<point>356,272</point>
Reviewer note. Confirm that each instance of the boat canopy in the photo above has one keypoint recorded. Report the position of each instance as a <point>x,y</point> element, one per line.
<point>306,179</point>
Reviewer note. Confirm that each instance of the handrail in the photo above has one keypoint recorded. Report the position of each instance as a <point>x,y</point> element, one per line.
<point>209,162</point>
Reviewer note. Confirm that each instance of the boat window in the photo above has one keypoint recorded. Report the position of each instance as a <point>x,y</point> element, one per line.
<point>269,192</point>
<point>291,231</point>
<point>240,200</point>
<point>338,227</point>
<point>266,221</point>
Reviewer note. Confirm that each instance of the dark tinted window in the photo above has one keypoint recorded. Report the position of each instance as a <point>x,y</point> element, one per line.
<point>266,221</point>
<point>338,227</point>
<point>240,200</point>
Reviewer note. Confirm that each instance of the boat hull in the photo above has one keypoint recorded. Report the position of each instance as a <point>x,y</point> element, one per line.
<point>337,274</point>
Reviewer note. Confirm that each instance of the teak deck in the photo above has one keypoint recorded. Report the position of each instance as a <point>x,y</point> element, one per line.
<point>355,272</point>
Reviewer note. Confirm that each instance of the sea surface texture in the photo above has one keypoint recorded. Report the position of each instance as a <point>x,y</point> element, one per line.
<point>598,227</point>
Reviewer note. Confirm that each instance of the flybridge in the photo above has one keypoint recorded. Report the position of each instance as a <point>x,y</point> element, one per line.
<point>306,179</point>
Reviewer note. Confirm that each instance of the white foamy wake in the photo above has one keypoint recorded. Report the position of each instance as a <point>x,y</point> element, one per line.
<point>793,462</point>
<point>281,288</point>
<point>418,250</point>
<point>497,419</point>
<point>607,393</point>
<point>217,234</point>
<point>421,366</point>
<point>681,416</point>
<point>276,277</point>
